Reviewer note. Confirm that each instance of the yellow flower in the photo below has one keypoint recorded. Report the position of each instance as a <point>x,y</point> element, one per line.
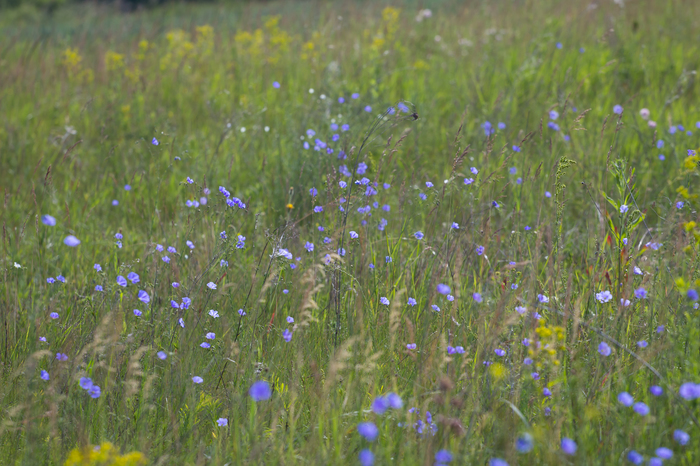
<point>113,60</point>
<point>290,206</point>
<point>104,455</point>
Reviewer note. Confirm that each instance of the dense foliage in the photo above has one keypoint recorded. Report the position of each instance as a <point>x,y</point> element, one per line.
<point>316,233</point>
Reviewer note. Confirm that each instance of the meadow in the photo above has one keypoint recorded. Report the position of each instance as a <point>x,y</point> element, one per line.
<point>458,232</point>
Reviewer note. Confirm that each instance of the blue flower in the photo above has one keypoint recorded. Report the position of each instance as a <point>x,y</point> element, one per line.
<point>384,301</point>
<point>604,349</point>
<point>678,435</point>
<point>133,277</point>
<point>71,241</point>
<point>368,109</point>
<point>275,84</point>
<point>412,302</point>
<point>625,399</point>
<point>368,430</point>
<point>44,375</point>
<point>418,235</point>
<point>48,220</point>
<point>366,457</point>
<point>143,297</point>
<point>634,457</point>
<point>154,141</point>
<point>479,250</point>
<point>617,109</point>
<point>524,443</point>
<point>568,446</point>
<point>121,281</point>
<point>443,456</point>
<point>443,289</point>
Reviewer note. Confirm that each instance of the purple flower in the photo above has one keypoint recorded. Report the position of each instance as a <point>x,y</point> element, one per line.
<point>634,457</point>
<point>692,295</point>
<point>211,285</point>
<point>664,453</point>
<point>205,345</point>
<point>435,307</point>
<point>143,297</point>
<point>479,250</point>
<point>656,390</point>
<point>366,457</point>
<point>411,346</point>
<point>603,296</point>
<point>443,289</point>
<point>54,315</point>
<point>641,408</point>
<point>547,194</point>
<point>604,349</point>
<point>94,391</point>
<point>626,399</point>
<point>62,357</point>
<point>497,462</point>
<point>71,241</point>
<point>368,109</point>
<point>542,298</point>
<point>85,383</point>
<point>137,313</point>
<point>689,391</point>
<point>568,446</point>
<point>617,109</point>
<point>681,437</point>
<point>418,235</point>
<point>640,293</point>
<point>499,352</point>
<point>275,84</point>
<point>48,220</point>
<point>642,343</point>
<point>535,376</point>
<point>121,281</point>
<point>50,280</point>
<point>412,302</point>
<point>384,301</point>
<point>181,322</point>
<point>166,259</point>
<point>524,443</point>
<point>477,297</point>
<point>133,277</point>
<point>44,375</point>
<point>546,392</point>
<point>197,379</point>
<point>154,141</point>
<point>222,422</point>
<point>241,312</point>
<point>624,208</point>
<point>287,335</point>
<point>368,430</point>
<point>162,355</point>
<point>443,456</point>
<point>260,391</point>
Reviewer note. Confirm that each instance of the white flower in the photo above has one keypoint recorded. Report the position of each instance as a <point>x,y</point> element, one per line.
<point>17,266</point>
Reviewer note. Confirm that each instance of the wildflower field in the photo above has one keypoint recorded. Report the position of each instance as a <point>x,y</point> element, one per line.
<point>351,233</point>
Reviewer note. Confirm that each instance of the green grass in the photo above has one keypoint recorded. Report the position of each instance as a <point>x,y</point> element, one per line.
<point>76,124</point>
